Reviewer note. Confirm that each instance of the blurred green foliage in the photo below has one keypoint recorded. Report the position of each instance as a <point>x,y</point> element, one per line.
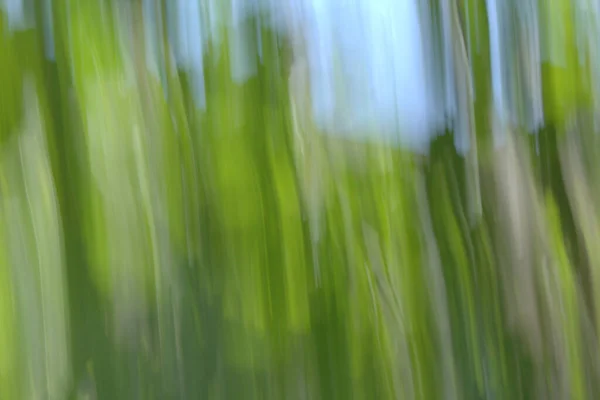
<point>152,249</point>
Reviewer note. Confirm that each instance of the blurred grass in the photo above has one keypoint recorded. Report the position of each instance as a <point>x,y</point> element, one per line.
<point>150,248</point>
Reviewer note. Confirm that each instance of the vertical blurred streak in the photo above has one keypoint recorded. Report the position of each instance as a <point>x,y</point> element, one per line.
<point>152,43</point>
<point>567,322</point>
<point>306,145</point>
<point>545,311</point>
<point>393,316</point>
<point>160,24</point>
<point>48,232</point>
<point>171,195</point>
<point>10,379</point>
<point>593,13</point>
<point>514,208</point>
<point>240,197</point>
<point>46,26</point>
<point>122,230</point>
<point>11,95</point>
<point>196,35</point>
<point>465,129</point>
<point>147,131</point>
<point>189,37</point>
<point>243,46</point>
<point>468,10</point>
<point>40,291</point>
<point>434,59</point>
<point>494,11</point>
<point>437,288</point>
<point>448,57</point>
<point>453,235</point>
<point>515,65</point>
<point>36,255</point>
<point>172,26</point>
<point>530,27</point>
<point>586,216</point>
<point>184,207</point>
